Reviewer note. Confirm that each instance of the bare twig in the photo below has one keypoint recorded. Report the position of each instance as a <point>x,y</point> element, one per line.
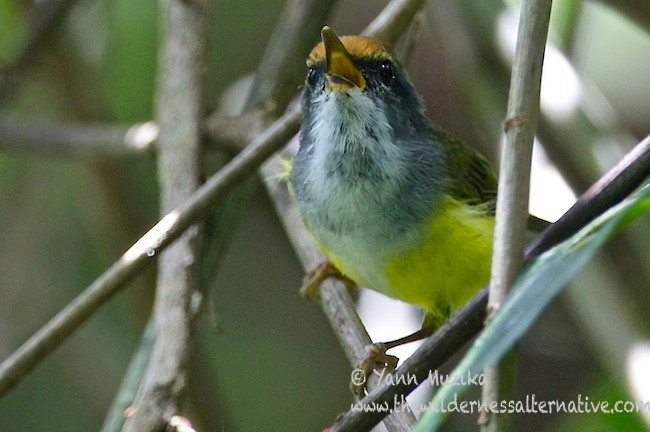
<point>77,140</point>
<point>520,125</point>
<point>232,133</point>
<point>615,186</point>
<point>180,111</point>
<point>514,186</point>
<point>229,134</point>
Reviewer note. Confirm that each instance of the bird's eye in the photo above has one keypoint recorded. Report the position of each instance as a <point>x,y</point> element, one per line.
<point>312,76</point>
<point>386,72</point>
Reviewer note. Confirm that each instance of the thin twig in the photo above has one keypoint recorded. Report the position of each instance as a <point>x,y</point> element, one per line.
<point>520,125</point>
<point>222,133</point>
<point>614,187</point>
<point>514,186</point>
<point>77,140</point>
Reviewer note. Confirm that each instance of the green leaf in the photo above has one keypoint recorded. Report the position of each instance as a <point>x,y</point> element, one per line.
<point>540,283</point>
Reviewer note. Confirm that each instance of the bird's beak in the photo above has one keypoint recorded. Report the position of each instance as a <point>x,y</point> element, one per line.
<point>342,74</point>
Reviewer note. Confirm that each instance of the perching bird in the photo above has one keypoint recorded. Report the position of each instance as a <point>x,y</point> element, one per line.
<point>395,203</point>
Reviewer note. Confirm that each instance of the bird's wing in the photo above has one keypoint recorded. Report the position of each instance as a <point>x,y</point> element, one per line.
<point>470,176</point>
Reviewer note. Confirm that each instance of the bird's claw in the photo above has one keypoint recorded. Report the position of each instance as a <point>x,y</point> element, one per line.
<point>317,275</point>
<point>375,359</point>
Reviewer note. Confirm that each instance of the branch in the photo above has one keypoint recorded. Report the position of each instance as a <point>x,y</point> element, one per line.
<point>229,134</point>
<point>614,187</point>
<point>78,140</point>
<point>520,125</point>
<point>514,187</point>
<point>180,111</point>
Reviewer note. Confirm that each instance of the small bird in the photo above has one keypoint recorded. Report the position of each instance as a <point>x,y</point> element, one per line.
<point>395,203</point>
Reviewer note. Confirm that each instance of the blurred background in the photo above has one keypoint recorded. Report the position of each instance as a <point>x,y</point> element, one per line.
<point>264,358</point>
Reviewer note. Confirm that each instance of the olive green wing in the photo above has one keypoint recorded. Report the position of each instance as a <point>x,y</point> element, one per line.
<point>470,176</point>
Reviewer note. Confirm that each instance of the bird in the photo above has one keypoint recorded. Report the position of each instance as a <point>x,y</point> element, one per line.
<point>395,203</point>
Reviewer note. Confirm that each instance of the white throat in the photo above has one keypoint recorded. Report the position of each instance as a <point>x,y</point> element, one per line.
<point>351,133</point>
<point>356,168</point>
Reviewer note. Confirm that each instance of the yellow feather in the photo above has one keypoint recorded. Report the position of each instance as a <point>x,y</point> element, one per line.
<point>443,268</point>
<point>446,267</point>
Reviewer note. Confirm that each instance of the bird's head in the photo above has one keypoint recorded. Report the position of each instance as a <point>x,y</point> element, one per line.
<point>354,81</point>
<point>365,143</point>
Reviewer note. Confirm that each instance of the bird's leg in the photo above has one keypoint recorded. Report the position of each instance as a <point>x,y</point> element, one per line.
<point>423,333</point>
<point>376,357</point>
<point>318,274</point>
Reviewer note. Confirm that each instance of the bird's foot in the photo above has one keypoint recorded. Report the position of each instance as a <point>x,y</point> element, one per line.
<point>375,359</point>
<point>317,275</point>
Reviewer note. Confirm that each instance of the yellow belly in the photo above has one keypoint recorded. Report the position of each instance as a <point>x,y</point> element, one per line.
<point>440,270</point>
